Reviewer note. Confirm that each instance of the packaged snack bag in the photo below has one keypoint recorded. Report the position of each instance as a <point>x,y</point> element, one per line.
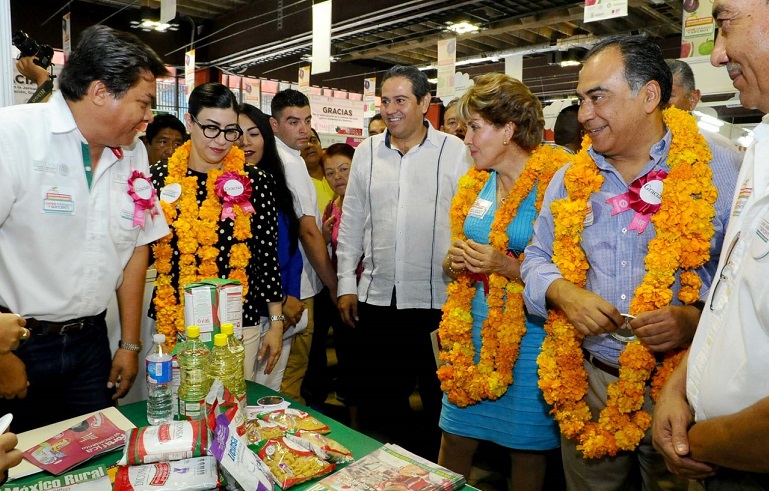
<point>324,447</point>
<point>289,463</point>
<point>258,430</point>
<point>199,473</point>
<point>294,419</point>
<point>170,441</point>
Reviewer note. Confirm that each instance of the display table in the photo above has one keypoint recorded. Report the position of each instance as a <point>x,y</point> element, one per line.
<point>358,443</point>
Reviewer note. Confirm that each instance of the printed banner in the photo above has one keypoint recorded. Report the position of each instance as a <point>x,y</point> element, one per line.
<point>447,58</point>
<point>604,9</point>
<point>189,72</point>
<point>252,89</point>
<point>66,35</point>
<point>698,30</point>
<point>336,116</point>
<point>369,97</point>
<point>304,79</point>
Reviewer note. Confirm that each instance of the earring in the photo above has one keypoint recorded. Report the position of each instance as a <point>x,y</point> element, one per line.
<point>504,142</point>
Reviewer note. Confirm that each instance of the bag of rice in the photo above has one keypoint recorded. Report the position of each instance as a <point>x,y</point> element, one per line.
<point>171,441</point>
<point>195,474</point>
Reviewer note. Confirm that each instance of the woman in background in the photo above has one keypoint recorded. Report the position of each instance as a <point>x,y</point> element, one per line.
<point>258,144</point>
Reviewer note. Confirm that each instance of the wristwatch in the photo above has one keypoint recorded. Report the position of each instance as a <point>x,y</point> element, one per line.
<point>130,346</point>
<point>280,318</point>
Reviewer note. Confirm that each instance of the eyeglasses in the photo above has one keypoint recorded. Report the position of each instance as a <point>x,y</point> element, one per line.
<point>718,298</point>
<point>212,131</point>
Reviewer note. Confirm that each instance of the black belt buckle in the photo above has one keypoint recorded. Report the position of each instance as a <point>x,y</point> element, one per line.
<point>77,324</point>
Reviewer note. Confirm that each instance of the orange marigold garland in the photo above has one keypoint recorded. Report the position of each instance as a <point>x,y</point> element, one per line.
<point>684,227</point>
<point>464,381</point>
<point>196,229</point>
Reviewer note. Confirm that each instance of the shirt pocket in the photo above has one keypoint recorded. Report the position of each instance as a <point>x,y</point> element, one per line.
<point>122,229</point>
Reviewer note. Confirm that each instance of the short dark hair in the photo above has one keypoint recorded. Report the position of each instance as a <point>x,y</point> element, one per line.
<point>377,116</point>
<point>211,95</point>
<point>337,149</point>
<point>419,83</point>
<point>117,59</point>
<point>161,122</point>
<point>287,98</point>
<point>567,129</point>
<point>499,99</point>
<point>643,62</point>
<point>314,132</point>
<point>685,74</point>
<point>272,165</point>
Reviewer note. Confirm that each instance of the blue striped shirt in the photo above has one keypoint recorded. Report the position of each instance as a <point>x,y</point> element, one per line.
<point>615,253</point>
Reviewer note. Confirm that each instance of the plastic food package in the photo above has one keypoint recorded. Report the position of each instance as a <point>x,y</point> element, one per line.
<point>294,419</point>
<point>258,430</point>
<point>239,464</point>
<point>170,441</point>
<point>290,463</point>
<point>324,447</point>
<point>199,473</point>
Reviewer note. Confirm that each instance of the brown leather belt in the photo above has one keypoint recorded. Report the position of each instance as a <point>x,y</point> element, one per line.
<point>42,328</point>
<point>613,371</point>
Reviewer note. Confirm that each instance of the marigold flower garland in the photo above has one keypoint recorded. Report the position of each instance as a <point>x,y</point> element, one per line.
<point>464,381</point>
<point>196,229</point>
<point>684,227</point>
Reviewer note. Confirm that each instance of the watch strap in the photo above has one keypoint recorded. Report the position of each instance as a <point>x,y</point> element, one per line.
<point>280,317</point>
<point>130,346</point>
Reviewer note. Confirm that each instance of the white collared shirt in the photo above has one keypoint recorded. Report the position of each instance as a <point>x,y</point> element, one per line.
<point>396,215</point>
<point>63,247</point>
<point>305,204</point>
<point>729,357</point>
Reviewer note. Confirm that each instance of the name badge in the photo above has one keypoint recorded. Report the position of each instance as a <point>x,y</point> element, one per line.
<point>759,246</point>
<point>479,208</point>
<point>57,200</point>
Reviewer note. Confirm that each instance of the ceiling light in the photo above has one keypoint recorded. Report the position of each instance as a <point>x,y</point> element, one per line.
<point>150,22</point>
<point>308,58</point>
<point>462,27</point>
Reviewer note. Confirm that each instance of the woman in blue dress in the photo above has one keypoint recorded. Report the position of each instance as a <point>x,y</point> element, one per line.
<point>490,372</point>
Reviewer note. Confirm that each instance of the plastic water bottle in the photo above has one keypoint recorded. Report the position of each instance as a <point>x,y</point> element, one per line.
<point>239,351</point>
<point>225,365</point>
<point>159,401</point>
<point>193,358</point>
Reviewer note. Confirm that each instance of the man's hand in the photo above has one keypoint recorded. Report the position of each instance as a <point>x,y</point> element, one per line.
<point>328,227</point>
<point>26,66</point>
<point>587,312</point>
<point>11,331</point>
<point>670,425</point>
<point>9,455</point>
<point>348,309</point>
<point>666,328</point>
<point>271,346</point>
<point>125,366</point>
<point>292,309</point>
<point>13,377</point>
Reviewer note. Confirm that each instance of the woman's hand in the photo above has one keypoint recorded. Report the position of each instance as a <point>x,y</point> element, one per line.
<point>454,263</point>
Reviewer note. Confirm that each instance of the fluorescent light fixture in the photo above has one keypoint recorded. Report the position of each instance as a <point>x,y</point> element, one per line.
<point>463,27</point>
<point>150,22</point>
<point>565,63</point>
<point>308,58</point>
<point>707,126</point>
<point>433,81</point>
<point>706,118</point>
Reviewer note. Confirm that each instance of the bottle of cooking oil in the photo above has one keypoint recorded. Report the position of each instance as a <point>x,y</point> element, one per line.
<point>193,355</point>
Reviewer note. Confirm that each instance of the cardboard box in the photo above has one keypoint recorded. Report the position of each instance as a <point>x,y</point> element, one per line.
<point>210,303</point>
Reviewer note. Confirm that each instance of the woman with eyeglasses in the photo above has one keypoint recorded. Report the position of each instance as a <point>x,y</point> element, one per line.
<point>223,221</point>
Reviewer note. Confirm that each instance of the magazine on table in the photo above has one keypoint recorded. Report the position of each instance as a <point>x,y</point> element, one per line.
<point>391,468</point>
<point>85,440</point>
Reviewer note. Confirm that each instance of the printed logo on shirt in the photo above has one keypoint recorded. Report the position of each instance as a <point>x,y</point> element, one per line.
<point>763,231</point>
<point>58,201</point>
<point>589,215</point>
<point>742,197</point>
<point>759,246</point>
<point>46,167</point>
<point>479,208</point>
<point>63,170</point>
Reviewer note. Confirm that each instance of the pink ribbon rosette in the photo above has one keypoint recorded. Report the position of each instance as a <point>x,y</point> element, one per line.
<point>644,196</point>
<point>234,189</point>
<point>143,194</point>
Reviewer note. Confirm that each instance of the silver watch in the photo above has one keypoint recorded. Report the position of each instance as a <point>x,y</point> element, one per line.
<point>280,318</point>
<point>130,346</point>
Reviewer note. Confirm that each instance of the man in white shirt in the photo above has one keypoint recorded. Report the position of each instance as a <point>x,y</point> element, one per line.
<point>722,387</point>
<point>291,118</point>
<point>77,212</point>
<point>396,215</point>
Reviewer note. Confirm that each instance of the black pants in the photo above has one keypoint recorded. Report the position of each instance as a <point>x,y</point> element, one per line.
<point>394,356</point>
